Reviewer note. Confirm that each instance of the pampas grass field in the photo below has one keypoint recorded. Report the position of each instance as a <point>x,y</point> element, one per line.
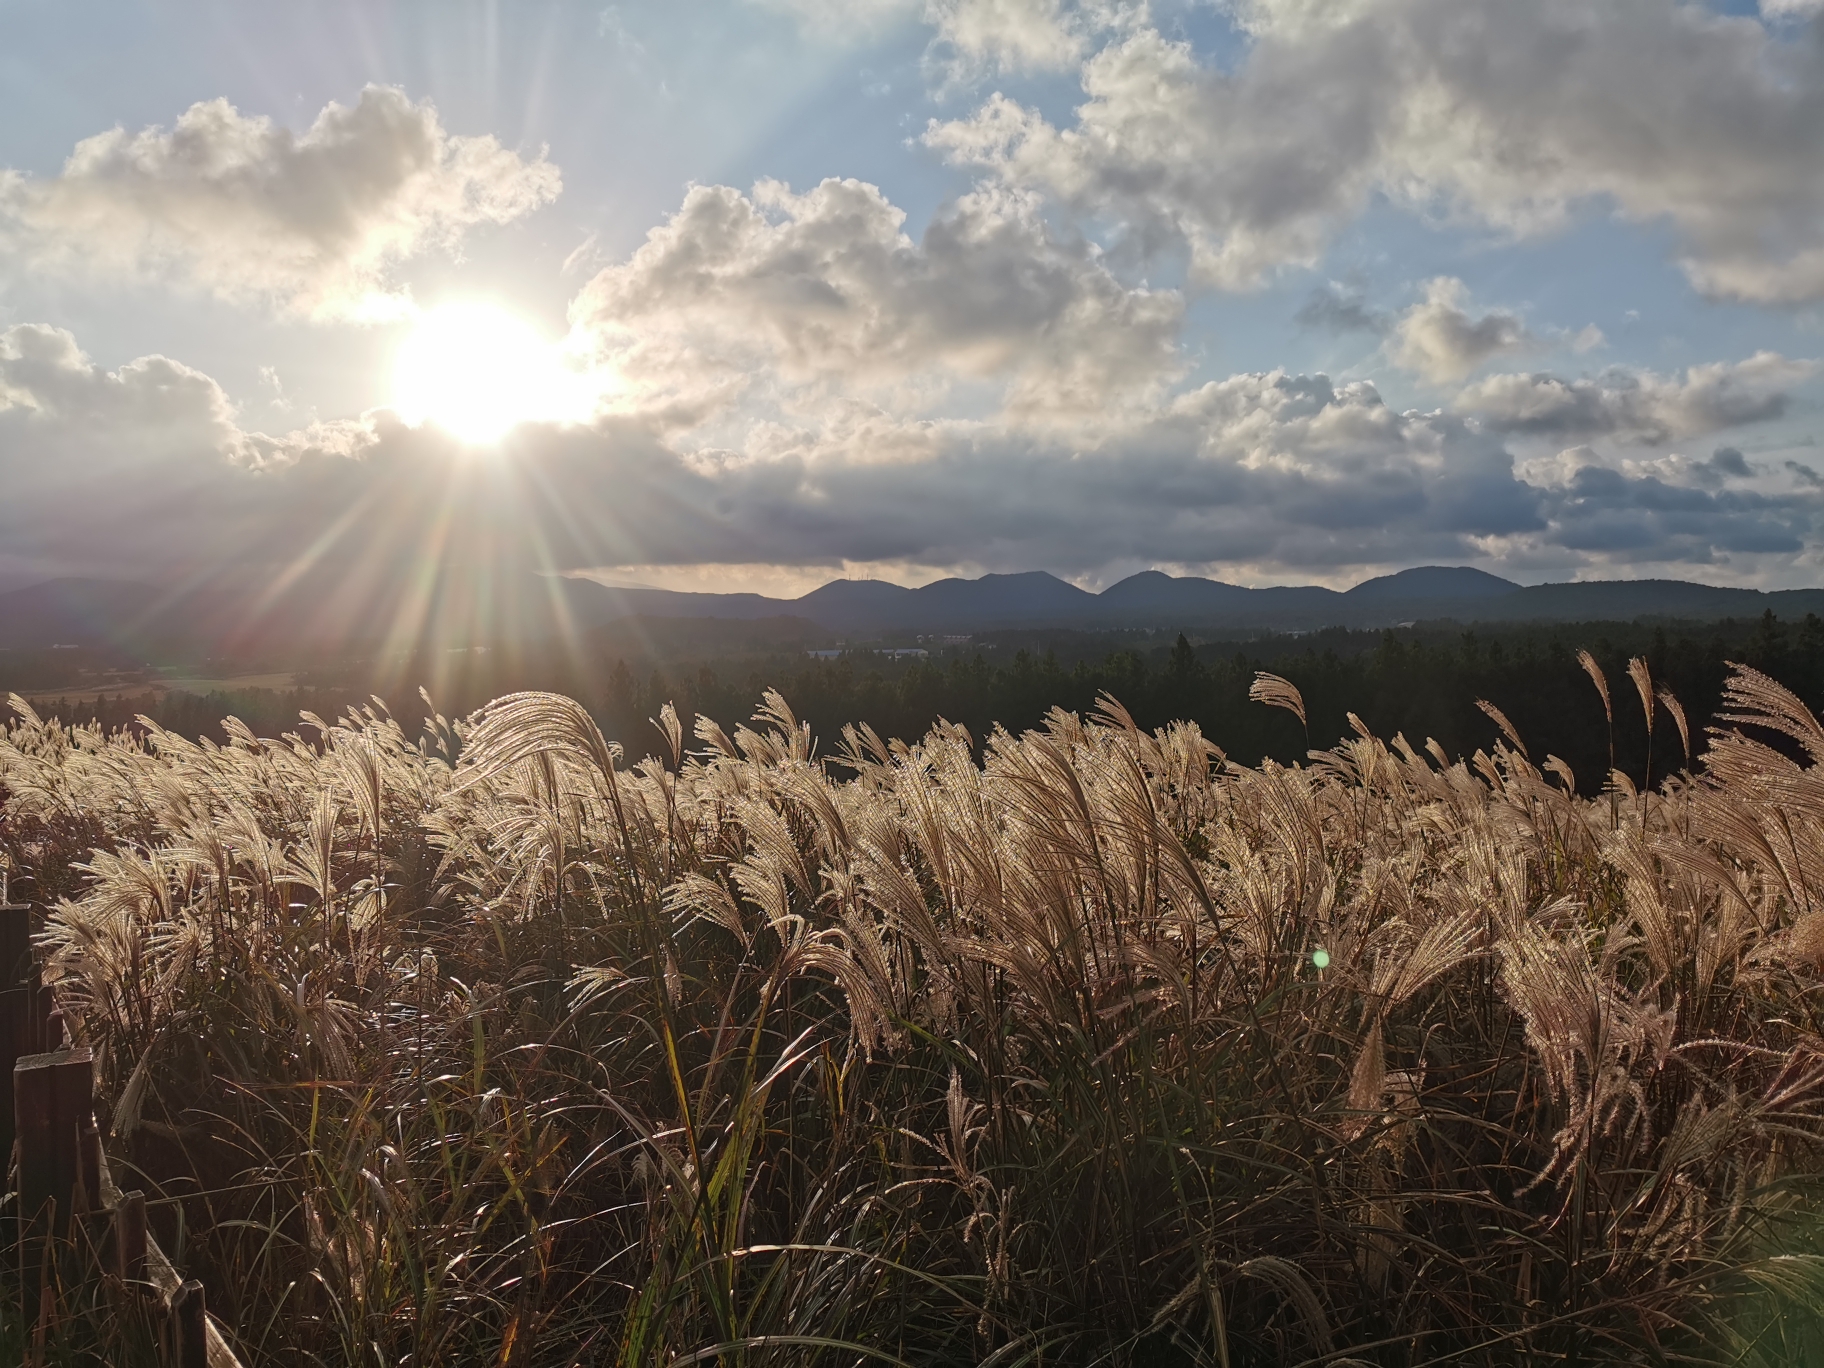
<point>493,1044</point>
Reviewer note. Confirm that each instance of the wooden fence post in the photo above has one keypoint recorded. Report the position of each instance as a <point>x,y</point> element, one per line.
<point>189,1327</point>
<point>16,961</point>
<point>18,995</point>
<point>61,1169</point>
<point>130,1237</point>
<point>88,1159</point>
<point>52,1095</point>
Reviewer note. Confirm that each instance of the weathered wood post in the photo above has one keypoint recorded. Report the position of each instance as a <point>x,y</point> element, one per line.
<point>130,1237</point>
<point>17,962</point>
<point>53,1094</point>
<point>88,1159</point>
<point>64,1189</point>
<point>189,1327</point>
<point>18,995</point>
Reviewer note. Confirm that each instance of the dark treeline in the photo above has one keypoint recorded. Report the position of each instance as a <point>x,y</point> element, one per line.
<point>1395,682</point>
<point>268,712</point>
<point>1422,683</point>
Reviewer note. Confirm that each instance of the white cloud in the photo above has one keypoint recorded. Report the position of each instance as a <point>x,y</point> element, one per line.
<point>1791,9</point>
<point>1290,476</point>
<point>1508,116</point>
<point>825,291</point>
<point>1440,341</point>
<point>1007,35</point>
<point>118,470</point>
<point>152,407</point>
<point>1639,405</point>
<point>146,471</point>
<point>973,38</point>
<point>1171,152</point>
<point>1586,339</point>
<point>245,209</point>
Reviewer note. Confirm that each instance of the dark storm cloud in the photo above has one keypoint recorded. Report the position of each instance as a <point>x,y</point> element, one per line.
<point>1638,405</point>
<point>143,472</point>
<point>1727,460</point>
<point>1605,511</point>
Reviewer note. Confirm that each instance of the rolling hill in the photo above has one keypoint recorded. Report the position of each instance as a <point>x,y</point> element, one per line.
<point>224,617</point>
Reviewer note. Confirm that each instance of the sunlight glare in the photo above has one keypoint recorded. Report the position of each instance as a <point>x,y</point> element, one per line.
<point>476,370</point>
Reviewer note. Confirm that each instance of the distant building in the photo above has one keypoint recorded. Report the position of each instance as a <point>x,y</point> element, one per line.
<point>893,651</point>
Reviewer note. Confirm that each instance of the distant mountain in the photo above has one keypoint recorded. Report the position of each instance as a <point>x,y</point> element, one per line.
<point>1434,583</point>
<point>1625,600</point>
<point>1157,600</point>
<point>858,601</point>
<point>1152,592</point>
<point>1024,600</point>
<point>401,614</point>
<point>998,601</point>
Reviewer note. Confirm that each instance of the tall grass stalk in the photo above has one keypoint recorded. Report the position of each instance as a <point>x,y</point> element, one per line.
<point>481,1044</point>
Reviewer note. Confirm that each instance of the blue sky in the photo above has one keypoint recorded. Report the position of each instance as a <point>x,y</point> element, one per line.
<point>766,291</point>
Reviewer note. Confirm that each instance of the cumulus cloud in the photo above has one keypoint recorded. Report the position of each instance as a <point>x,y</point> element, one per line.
<point>1440,341</point>
<point>153,407</point>
<point>1290,475</point>
<point>973,37</point>
<point>1638,405</point>
<point>1172,152</point>
<point>1271,469</point>
<point>1007,35</point>
<point>1334,307</point>
<point>247,210</point>
<point>826,289</point>
<point>117,470</point>
<point>1604,511</point>
<point>1723,466</point>
<point>1728,462</point>
<point>1512,117</point>
<point>146,471</point>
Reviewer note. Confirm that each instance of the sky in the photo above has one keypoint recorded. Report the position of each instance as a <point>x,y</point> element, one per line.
<point>754,294</point>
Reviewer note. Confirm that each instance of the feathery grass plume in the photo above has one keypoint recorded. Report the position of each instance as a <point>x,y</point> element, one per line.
<point>1755,700</point>
<point>1643,685</point>
<point>1599,679</point>
<point>1669,701</point>
<point>488,1047</point>
<point>1500,720</point>
<point>1276,692</point>
<point>1367,1082</point>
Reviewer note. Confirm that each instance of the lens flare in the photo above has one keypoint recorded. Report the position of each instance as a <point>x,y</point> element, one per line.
<point>477,370</point>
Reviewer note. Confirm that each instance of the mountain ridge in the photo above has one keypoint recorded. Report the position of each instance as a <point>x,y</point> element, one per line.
<point>526,607</point>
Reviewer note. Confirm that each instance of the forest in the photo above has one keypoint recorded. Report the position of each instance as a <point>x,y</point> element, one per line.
<point>1423,684</point>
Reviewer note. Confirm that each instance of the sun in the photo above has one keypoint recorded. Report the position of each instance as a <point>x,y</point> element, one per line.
<point>476,370</point>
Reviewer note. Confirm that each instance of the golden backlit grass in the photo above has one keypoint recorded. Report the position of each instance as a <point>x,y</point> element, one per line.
<point>489,1047</point>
